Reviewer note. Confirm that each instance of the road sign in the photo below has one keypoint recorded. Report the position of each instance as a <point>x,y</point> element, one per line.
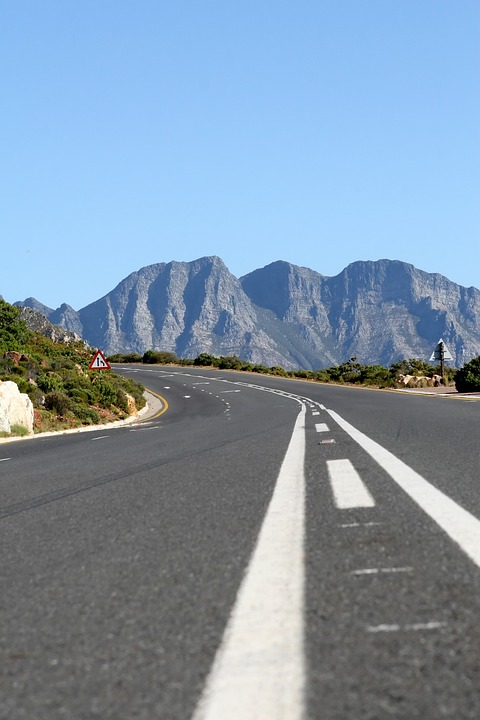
<point>437,353</point>
<point>99,362</point>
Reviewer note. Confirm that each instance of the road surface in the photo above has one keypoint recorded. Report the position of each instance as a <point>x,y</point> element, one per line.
<point>264,548</point>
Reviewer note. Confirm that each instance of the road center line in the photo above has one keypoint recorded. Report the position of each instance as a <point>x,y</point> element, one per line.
<point>348,489</point>
<point>460,525</point>
<point>258,671</point>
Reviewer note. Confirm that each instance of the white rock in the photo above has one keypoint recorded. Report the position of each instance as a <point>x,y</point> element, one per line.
<point>16,408</point>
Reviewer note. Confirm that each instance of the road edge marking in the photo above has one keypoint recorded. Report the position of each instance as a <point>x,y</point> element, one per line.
<point>259,668</point>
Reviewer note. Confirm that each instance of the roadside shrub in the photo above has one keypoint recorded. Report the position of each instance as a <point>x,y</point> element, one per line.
<point>229,362</point>
<point>105,392</point>
<point>159,357</point>
<point>22,383</point>
<point>125,358</point>
<point>58,402</point>
<point>467,379</point>
<point>20,430</point>
<point>86,415</point>
<point>49,383</point>
<point>205,359</point>
<point>121,400</point>
<point>262,369</point>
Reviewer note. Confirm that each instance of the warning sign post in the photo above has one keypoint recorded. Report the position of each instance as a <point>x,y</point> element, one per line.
<point>99,362</point>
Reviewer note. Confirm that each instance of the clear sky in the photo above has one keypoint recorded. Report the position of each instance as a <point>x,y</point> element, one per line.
<point>314,131</point>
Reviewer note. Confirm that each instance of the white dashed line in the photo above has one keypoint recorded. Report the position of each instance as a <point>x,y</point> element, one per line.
<point>4,459</point>
<point>321,427</point>
<point>460,525</point>
<point>101,437</point>
<point>357,524</point>
<point>347,486</point>
<point>433,625</point>
<point>377,571</point>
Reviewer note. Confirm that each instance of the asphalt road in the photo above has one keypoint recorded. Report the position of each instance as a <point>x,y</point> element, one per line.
<point>263,549</point>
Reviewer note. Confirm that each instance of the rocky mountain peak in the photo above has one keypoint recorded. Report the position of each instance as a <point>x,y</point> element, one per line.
<point>283,314</point>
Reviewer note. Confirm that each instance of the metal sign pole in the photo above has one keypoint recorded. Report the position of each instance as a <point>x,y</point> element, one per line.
<point>442,360</point>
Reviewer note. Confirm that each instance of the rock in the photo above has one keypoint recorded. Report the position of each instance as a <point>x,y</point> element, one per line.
<point>15,357</point>
<point>131,405</point>
<point>16,408</point>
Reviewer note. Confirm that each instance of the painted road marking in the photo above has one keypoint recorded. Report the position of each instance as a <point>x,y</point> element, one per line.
<point>433,625</point>
<point>347,486</point>
<point>316,412</point>
<point>222,392</point>
<point>377,571</point>
<point>321,427</point>
<point>4,459</point>
<point>460,525</point>
<point>357,524</point>
<point>100,437</point>
<point>259,669</point>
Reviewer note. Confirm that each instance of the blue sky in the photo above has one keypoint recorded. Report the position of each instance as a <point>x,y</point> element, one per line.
<point>317,131</point>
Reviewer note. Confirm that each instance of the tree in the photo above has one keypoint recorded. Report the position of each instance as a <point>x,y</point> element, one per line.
<point>467,379</point>
<point>13,329</point>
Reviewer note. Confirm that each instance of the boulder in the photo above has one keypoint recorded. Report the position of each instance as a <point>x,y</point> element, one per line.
<point>16,408</point>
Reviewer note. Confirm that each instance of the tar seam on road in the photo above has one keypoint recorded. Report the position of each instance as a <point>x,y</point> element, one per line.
<point>258,671</point>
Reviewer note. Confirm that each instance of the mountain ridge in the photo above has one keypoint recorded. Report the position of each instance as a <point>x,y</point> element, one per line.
<point>282,314</point>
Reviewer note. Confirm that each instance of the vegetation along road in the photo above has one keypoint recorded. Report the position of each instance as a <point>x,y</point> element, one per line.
<point>263,549</point>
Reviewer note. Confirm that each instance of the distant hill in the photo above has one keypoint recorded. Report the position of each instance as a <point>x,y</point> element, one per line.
<point>282,314</point>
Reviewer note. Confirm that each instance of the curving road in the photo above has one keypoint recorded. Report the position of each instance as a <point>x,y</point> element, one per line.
<point>263,549</point>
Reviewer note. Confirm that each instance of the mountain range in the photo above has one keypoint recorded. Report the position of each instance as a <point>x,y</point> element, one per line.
<point>282,314</point>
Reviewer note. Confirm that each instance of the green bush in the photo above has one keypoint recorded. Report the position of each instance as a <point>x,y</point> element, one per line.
<point>20,430</point>
<point>206,360</point>
<point>58,402</point>
<point>86,415</point>
<point>105,392</point>
<point>159,357</point>
<point>125,358</point>
<point>467,379</point>
<point>49,383</point>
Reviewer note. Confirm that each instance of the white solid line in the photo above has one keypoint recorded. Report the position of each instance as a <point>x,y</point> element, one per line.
<point>347,486</point>
<point>258,671</point>
<point>321,427</point>
<point>460,525</point>
<point>322,407</point>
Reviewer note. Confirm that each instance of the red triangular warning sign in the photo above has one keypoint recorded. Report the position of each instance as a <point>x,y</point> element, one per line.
<point>99,362</point>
